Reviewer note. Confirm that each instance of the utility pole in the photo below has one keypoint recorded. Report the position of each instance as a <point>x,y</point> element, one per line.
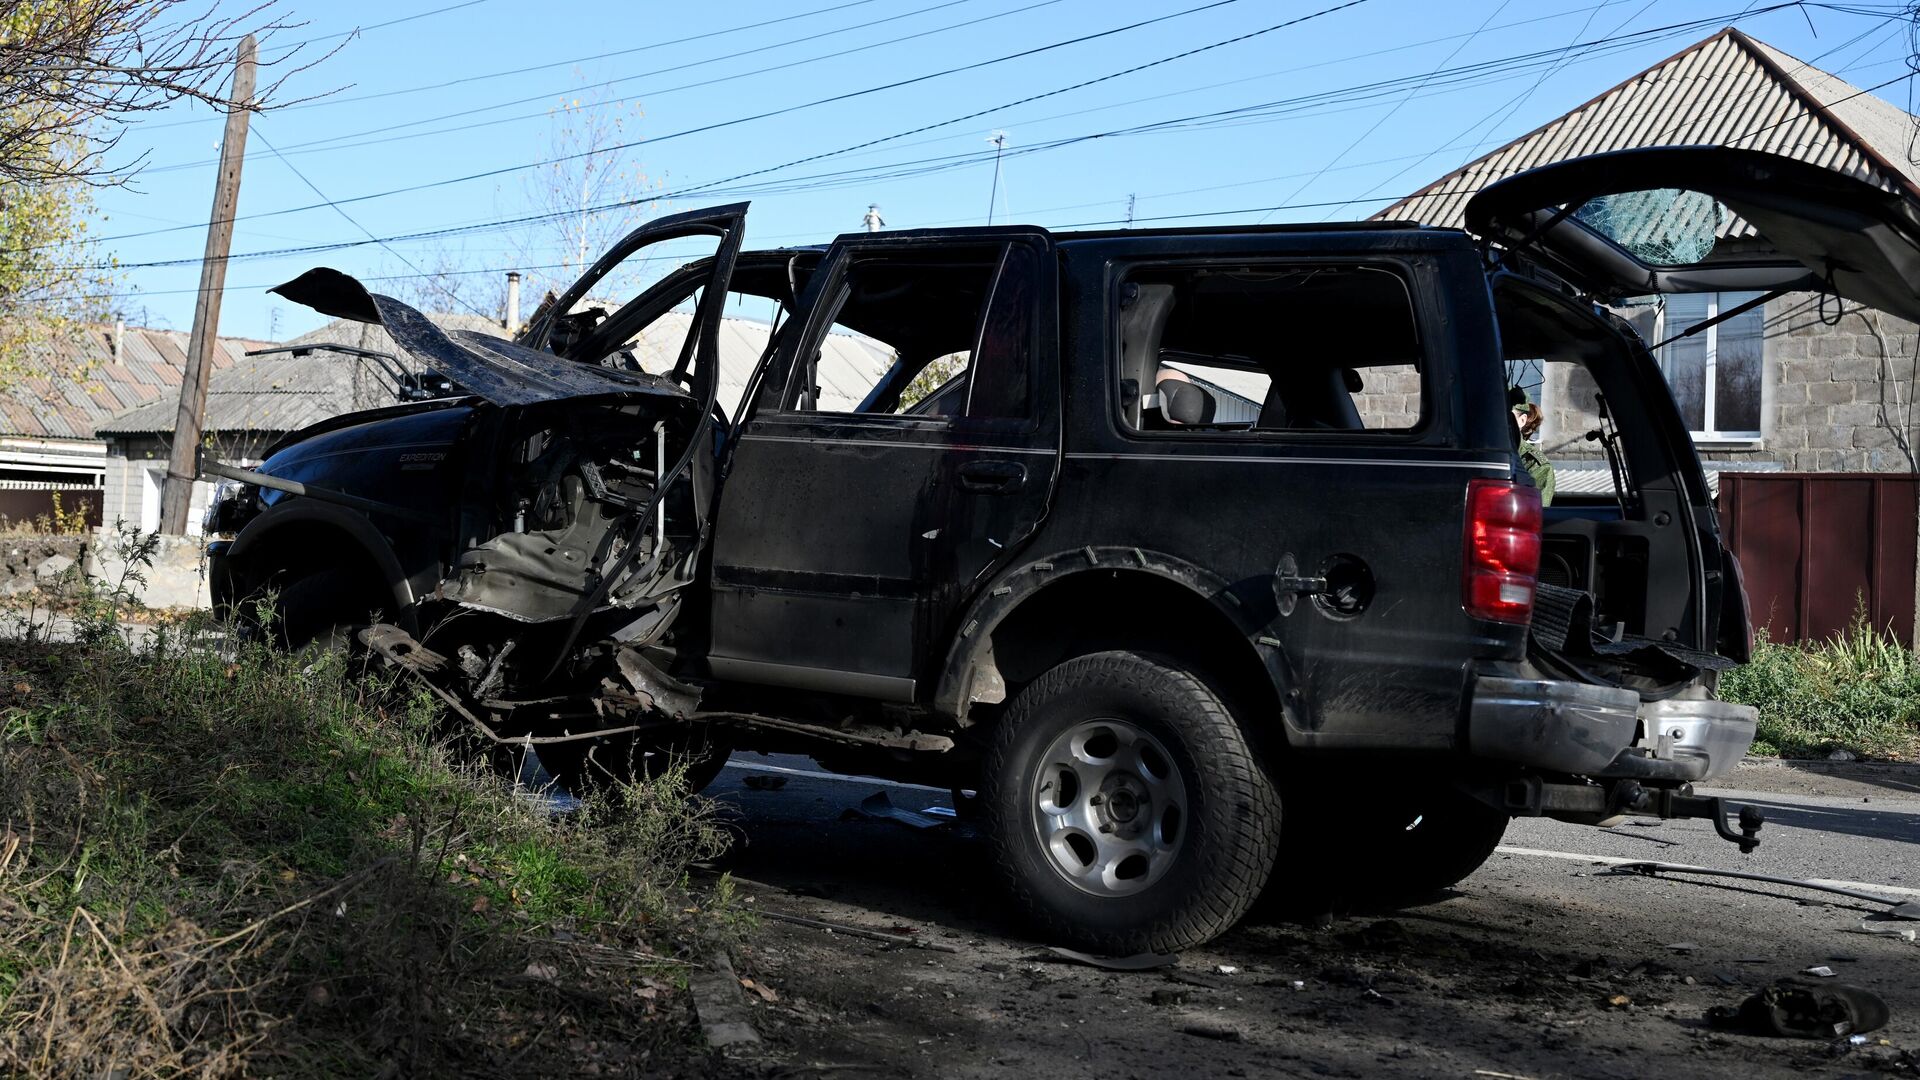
<point>999,141</point>
<point>1129,211</point>
<point>183,463</point>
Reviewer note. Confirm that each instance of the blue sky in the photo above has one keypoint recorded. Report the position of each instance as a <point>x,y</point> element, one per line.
<point>1328,135</point>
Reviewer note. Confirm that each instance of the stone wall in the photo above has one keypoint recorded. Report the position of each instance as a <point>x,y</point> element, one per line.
<point>29,562</point>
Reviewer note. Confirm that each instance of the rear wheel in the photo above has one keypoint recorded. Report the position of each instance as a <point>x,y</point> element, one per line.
<point>1398,846</point>
<point>1128,811</point>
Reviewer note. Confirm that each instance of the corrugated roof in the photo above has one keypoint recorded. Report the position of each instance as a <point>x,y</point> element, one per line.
<point>1729,90</point>
<point>80,385</point>
<point>284,393</point>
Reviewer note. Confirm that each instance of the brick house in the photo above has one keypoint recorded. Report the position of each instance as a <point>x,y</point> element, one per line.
<point>1797,385</point>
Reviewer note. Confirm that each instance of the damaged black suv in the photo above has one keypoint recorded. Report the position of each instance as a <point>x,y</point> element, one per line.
<point>1204,555</point>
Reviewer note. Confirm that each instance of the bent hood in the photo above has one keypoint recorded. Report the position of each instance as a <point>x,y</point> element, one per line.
<point>482,365</point>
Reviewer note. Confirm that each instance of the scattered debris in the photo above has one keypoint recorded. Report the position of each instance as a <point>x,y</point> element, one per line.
<point>1170,995</point>
<point>880,808</point>
<point>1137,962</point>
<point>859,932</point>
<point>1214,1031</point>
<point>1889,929</point>
<point>1619,1001</point>
<point>764,781</point>
<point>1804,1010</point>
<point>1682,947</point>
<point>1822,971</point>
<point>1226,969</point>
<point>766,992</point>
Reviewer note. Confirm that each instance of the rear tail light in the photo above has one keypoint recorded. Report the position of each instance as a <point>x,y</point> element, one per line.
<point>1502,551</point>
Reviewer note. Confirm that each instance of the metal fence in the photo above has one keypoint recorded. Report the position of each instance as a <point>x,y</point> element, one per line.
<point>1818,547</point>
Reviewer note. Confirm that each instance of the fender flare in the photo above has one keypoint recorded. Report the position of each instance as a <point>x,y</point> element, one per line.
<point>293,512</point>
<point>1248,610</point>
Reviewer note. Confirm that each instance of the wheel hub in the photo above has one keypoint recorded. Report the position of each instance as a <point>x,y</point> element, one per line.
<point>1109,808</point>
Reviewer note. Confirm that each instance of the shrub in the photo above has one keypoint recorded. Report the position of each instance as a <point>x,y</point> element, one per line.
<point>222,860</point>
<point>1859,691</point>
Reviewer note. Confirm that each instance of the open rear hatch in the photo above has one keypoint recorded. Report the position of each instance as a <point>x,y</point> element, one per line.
<point>1688,219</point>
<point>1669,220</point>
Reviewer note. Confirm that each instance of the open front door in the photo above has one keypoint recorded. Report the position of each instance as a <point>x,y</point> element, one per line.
<point>902,446</point>
<point>1674,219</point>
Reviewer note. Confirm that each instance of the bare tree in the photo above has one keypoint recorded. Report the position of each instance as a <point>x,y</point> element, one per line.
<point>440,279</point>
<point>72,70</point>
<point>589,174</point>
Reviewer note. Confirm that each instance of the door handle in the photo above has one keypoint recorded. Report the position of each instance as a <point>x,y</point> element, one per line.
<point>992,477</point>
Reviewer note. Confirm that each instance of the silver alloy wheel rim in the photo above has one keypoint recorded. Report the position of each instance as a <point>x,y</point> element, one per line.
<point>1109,807</point>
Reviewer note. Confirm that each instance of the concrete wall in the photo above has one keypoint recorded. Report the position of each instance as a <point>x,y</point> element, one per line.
<point>177,579</point>
<point>1835,398</point>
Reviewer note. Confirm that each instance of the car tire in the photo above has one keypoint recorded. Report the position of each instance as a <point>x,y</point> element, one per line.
<point>1399,845</point>
<point>1184,831</point>
<point>587,764</point>
<point>321,610</point>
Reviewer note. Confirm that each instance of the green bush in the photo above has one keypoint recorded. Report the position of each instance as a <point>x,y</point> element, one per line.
<point>1859,691</point>
<point>226,860</point>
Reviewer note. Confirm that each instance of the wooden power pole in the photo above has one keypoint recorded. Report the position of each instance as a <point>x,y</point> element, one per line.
<point>183,464</point>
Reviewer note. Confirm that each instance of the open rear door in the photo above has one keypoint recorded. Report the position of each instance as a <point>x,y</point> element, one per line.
<point>1669,220</point>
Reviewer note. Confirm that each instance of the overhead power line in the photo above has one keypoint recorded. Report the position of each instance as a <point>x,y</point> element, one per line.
<point>351,220</point>
<point>1264,110</point>
<point>354,139</point>
<point>738,120</point>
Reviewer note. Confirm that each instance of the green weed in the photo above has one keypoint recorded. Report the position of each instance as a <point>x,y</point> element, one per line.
<point>1859,691</point>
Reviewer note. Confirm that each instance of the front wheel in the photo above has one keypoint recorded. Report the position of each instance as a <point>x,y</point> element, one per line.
<point>1127,809</point>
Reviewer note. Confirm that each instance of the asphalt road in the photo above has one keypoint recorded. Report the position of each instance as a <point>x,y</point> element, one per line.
<point>1547,962</point>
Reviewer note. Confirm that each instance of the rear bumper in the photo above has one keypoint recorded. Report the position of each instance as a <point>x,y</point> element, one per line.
<point>1704,738</point>
<point>1606,732</point>
<point>1548,724</point>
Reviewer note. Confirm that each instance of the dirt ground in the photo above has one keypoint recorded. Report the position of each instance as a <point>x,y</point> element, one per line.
<point>1535,967</point>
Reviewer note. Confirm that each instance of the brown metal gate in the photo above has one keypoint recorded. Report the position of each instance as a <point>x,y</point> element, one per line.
<point>1815,547</point>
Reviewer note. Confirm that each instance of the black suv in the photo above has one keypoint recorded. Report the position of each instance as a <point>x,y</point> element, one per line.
<point>1205,556</point>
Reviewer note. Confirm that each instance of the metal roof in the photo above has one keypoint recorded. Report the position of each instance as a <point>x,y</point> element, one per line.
<point>1729,90</point>
<point>286,392</point>
<point>77,384</point>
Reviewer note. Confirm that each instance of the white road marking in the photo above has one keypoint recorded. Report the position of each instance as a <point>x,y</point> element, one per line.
<point>750,766</point>
<point>1609,860</point>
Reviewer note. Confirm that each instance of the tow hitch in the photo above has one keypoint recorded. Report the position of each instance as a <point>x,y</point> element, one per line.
<point>1606,803</point>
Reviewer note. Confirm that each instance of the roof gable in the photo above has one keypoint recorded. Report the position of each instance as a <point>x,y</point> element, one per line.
<point>1729,90</point>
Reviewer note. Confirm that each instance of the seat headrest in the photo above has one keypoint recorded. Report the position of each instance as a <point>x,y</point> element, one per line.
<point>1184,403</point>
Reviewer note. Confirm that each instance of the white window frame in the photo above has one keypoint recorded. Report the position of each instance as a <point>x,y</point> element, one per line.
<point>1712,434</point>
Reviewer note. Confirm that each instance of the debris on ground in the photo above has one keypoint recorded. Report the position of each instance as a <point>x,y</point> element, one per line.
<point>1226,969</point>
<point>858,931</point>
<point>1821,970</point>
<point>1804,1010</point>
<point>877,807</point>
<point>1137,962</point>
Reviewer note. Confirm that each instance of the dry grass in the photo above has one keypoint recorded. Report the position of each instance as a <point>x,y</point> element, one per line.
<point>223,863</point>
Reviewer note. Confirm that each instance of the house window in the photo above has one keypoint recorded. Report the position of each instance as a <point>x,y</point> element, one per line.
<point>1716,375</point>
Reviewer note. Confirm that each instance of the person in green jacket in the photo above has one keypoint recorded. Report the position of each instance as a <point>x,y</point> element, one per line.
<point>1528,416</point>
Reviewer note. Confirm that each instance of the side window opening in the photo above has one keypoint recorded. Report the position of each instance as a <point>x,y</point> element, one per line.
<point>937,334</point>
<point>1269,349</point>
